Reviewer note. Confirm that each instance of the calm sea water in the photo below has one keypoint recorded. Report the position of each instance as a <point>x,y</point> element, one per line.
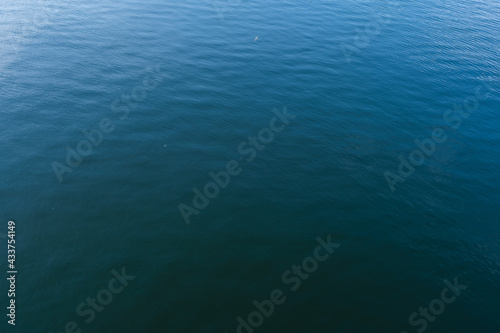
<point>176,89</point>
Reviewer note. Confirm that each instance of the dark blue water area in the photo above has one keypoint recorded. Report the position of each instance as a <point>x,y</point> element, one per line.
<point>169,92</point>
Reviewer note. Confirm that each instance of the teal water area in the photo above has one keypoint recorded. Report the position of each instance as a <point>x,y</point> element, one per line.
<point>114,114</point>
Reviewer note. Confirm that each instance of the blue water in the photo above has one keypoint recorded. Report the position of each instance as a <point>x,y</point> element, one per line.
<point>171,91</point>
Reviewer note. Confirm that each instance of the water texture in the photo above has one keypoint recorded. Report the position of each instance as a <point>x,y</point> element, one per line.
<point>114,114</point>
